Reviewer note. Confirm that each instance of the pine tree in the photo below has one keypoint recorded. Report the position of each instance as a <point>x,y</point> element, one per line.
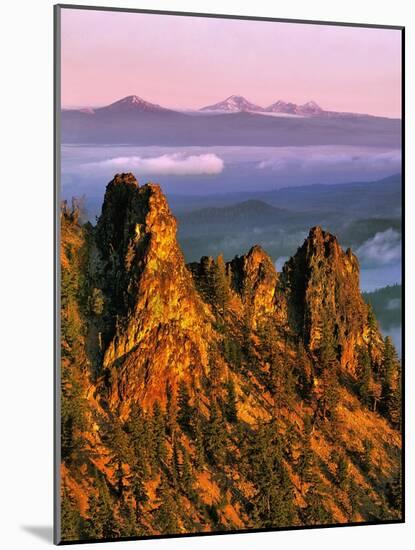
<point>341,465</point>
<point>330,393</point>
<point>394,492</point>
<point>166,514</point>
<point>123,453</point>
<point>215,436</point>
<point>101,522</point>
<point>171,411</point>
<point>70,517</point>
<point>197,435</point>
<point>128,527</point>
<point>391,383</point>
<point>138,430</point>
<point>139,492</point>
<point>305,461</point>
<point>94,525</point>
<point>329,384</point>
<point>273,503</point>
<point>186,476</point>
<point>111,526</point>
<point>231,411</point>
<point>315,512</point>
<point>185,410</point>
<point>373,326</point>
<point>158,431</point>
<point>175,464</point>
<point>367,455</point>
<point>364,375</point>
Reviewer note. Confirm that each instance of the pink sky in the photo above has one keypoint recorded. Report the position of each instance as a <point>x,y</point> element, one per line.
<point>188,62</point>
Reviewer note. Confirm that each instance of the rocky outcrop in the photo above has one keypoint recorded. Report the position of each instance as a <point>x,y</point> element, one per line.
<point>157,327</point>
<point>321,283</point>
<point>254,279</point>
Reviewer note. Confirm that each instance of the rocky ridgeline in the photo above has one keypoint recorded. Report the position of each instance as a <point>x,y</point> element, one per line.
<point>178,365</point>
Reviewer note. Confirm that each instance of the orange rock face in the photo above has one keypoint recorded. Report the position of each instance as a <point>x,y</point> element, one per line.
<point>164,330</point>
<point>322,285</point>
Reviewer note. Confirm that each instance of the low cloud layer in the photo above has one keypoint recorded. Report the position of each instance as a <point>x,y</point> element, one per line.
<point>174,164</point>
<point>325,160</point>
<point>382,249</point>
<point>394,304</point>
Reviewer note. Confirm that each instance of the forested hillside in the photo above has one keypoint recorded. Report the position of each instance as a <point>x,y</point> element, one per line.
<point>217,395</point>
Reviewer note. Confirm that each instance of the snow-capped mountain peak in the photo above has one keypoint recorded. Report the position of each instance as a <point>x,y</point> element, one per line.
<point>307,109</point>
<point>133,103</point>
<point>235,104</point>
<point>311,107</point>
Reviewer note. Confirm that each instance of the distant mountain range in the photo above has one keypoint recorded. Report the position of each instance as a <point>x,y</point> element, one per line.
<point>236,121</point>
<point>380,198</point>
<point>232,104</point>
<point>239,104</point>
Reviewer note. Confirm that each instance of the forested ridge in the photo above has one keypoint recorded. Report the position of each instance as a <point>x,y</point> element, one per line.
<point>217,395</point>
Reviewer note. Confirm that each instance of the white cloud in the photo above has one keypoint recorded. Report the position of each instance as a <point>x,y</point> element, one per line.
<point>174,164</point>
<point>394,303</point>
<point>382,249</point>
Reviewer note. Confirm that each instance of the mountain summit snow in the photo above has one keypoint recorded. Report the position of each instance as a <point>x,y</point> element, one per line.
<point>307,109</point>
<point>132,103</point>
<point>233,104</point>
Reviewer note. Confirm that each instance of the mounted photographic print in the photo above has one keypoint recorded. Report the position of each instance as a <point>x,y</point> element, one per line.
<point>229,228</point>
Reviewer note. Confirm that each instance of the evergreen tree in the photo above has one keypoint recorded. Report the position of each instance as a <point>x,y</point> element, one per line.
<point>373,327</point>
<point>94,525</point>
<point>186,476</point>
<point>128,527</point>
<point>138,489</point>
<point>175,464</point>
<point>139,433</point>
<point>70,517</point>
<point>166,514</point>
<point>305,461</point>
<point>215,436</point>
<point>111,526</point>
<point>328,382</point>
<point>185,410</point>
<point>273,502</point>
<point>73,412</point>
<point>123,453</point>
<point>158,431</point>
<point>394,492</point>
<point>232,352</point>
<point>391,384</point>
<point>364,375</point>
<point>353,494</point>
<point>367,455</point>
<point>198,437</point>
<point>315,513</point>
<point>341,466</point>
<point>171,411</point>
<point>231,410</point>
<point>329,393</point>
<point>101,522</point>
